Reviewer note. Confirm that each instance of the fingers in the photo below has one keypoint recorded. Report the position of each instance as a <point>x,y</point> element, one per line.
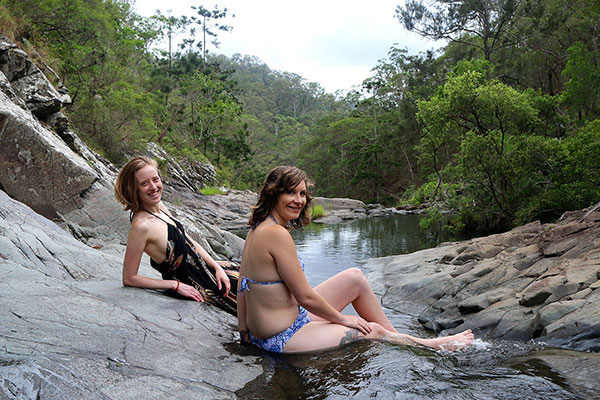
<point>363,326</point>
<point>359,323</point>
<point>368,327</point>
<point>225,285</point>
<point>191,292</point>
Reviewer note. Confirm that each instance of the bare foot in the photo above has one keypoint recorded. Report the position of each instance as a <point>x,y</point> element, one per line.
<point>454,342</point>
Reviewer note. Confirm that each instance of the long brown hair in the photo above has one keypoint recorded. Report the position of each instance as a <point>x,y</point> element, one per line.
<point>277,182</point>
<point>126,186</point>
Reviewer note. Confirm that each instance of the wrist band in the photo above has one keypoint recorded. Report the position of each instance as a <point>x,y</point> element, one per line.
<point>177,287</point>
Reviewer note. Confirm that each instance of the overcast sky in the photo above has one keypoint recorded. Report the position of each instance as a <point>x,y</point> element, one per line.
<point>333,42</point>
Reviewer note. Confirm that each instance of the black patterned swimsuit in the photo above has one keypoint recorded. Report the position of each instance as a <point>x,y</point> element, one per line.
<point>185,264</point>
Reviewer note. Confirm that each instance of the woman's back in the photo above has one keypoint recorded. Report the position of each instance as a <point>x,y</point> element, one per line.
<point>271,307</point>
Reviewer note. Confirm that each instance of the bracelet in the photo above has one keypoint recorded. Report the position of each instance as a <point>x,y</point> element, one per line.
<point>177,287</point>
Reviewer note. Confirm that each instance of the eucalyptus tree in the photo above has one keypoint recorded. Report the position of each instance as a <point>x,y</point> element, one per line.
<point>483,24</point>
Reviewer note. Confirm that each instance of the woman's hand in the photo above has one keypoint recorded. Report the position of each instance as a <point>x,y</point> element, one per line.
<point>354,321</point>
<point>189,291</point>
<point>223,282</point>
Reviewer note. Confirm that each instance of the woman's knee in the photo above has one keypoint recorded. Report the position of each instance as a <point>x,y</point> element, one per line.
<point>356,275</point>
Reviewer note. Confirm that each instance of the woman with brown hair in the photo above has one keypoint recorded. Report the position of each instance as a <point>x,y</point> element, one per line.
<point>186,267</point>
<point>278,311</point>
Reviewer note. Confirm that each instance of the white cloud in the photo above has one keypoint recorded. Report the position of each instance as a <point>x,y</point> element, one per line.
<point>333,42</point>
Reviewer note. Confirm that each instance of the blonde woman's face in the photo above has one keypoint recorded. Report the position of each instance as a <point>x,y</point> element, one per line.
<point>149,186</point>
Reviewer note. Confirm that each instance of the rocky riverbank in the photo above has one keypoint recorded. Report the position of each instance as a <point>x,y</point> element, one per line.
<point>69,329</point>
<point>539,282</point>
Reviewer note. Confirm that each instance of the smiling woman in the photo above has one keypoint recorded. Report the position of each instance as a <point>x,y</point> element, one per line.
<point>185,266</point>
<point>278,311</point>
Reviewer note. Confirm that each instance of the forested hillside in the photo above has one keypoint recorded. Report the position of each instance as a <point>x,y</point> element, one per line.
<point>500,126</point>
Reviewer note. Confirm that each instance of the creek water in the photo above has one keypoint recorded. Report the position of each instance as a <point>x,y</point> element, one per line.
<point>487,370</point>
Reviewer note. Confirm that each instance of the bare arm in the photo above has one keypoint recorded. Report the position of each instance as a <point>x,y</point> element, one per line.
<point>241,314</point>
<point>136,243</point>
<point>288,266</point>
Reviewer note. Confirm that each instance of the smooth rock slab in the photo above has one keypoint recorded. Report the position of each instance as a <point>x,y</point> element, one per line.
<point>70,330</point>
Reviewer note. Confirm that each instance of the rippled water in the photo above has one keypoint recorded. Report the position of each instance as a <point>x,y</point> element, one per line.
<point>487,370</point>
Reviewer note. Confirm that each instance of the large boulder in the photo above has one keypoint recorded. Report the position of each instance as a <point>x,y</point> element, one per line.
<point>44,164</point>
<point>535,282</point>
<point>69,329</point>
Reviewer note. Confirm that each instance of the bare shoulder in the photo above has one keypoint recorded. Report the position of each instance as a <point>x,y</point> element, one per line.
<point>278,238</point>
<point>141,225</point>
<point>278,233</point>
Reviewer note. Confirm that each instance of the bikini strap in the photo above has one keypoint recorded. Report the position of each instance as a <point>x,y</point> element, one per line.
<point>256,224</point>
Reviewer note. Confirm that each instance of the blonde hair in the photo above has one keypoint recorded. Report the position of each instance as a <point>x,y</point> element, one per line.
<point>277,182</point>
<point>126,186</point>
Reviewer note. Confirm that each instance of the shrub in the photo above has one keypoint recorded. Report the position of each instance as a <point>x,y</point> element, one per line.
<point>211,190</point>
<point>317,211</point>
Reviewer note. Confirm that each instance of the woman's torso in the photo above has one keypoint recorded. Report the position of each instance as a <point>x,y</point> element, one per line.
<point>156,243</point>
<point>270,308</point>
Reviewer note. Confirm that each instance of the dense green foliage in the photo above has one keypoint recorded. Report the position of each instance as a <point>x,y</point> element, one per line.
<point>501,126</point>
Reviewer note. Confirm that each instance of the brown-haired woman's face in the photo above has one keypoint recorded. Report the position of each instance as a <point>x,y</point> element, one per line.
<point>291,202</point>
<point>149,186</point>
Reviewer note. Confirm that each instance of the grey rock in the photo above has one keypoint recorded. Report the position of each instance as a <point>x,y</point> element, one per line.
<point>338,210</point>
<point>578,370</point>
<point>38,168</point>
<point>506,285</point>
<point>71,330</point>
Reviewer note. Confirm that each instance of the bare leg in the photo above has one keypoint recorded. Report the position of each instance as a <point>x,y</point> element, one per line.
<point>449,343</point>
<point>319,335</point>
<point>351,287</point>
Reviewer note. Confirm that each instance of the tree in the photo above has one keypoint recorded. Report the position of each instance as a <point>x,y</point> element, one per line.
<point>210,107</point>
<point>582,89</point>
<point>483,24</point>
<point>172,25</point>
<point>207,20</point>
<point>490,133</point>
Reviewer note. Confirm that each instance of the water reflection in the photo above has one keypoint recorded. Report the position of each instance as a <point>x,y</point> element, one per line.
<point>329,249</point>
<point>385,371</point>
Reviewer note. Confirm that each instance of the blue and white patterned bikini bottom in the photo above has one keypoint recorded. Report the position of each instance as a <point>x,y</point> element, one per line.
<point>276,343</point>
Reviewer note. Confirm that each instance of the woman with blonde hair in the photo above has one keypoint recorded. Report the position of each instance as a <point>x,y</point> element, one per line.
<point>186,267</point>
<point>278,311</point>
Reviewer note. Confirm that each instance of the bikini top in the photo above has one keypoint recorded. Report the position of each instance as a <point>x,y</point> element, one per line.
<point>244,282</point>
